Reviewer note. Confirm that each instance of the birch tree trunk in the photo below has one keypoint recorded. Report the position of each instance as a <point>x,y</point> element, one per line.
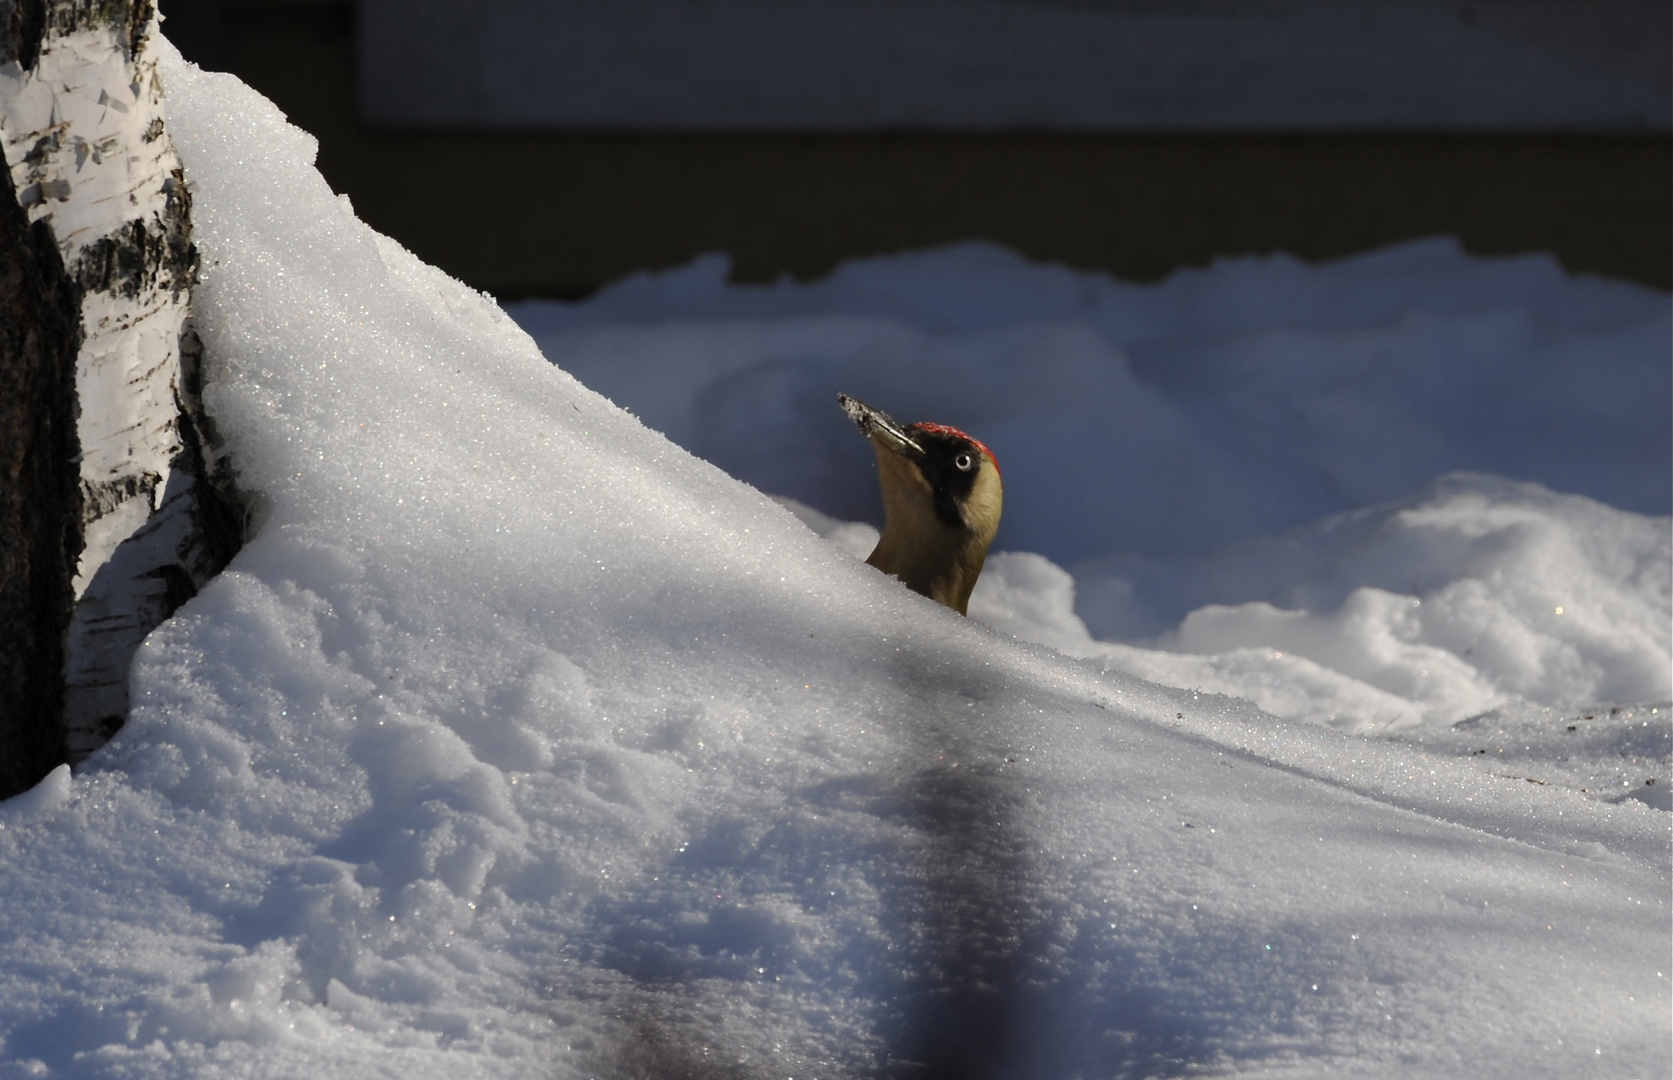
<point>40,493</point>
<point>93,182</point>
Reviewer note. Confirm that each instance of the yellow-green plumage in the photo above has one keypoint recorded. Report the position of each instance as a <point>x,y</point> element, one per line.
<point>942,497</point>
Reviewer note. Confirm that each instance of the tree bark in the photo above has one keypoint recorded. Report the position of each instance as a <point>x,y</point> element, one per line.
<point>40,491</point>
<point>93,175</point>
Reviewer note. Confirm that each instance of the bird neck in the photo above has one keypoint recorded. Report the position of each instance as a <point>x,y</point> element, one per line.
<point>931,557</point>
<point>944,569</point>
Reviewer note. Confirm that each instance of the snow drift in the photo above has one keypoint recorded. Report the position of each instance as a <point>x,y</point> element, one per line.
<point>1154,436</point>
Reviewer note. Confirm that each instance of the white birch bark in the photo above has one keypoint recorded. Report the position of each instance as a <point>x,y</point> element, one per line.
<point>85,138</point>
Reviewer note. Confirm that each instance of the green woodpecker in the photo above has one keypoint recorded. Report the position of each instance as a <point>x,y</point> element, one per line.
<point>941,502</point>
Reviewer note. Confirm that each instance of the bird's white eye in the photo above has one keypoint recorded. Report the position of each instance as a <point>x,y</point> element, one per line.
<point>964,462</point>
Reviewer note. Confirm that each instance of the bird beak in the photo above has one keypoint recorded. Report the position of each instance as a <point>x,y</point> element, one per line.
<point>878,426</point>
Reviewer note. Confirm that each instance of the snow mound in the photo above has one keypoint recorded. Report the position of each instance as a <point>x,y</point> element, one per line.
<point>1471,594</point>
<point>1243,399</point>
<point>1198,455</point>
<point>521,743</point>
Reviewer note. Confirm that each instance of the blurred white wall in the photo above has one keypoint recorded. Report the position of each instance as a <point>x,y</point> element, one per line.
<point>989,65</point>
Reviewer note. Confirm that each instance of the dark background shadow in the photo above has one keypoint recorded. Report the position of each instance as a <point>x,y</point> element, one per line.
<point>594,206</point>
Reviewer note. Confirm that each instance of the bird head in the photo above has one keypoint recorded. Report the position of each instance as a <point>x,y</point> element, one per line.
<point>942,497</point>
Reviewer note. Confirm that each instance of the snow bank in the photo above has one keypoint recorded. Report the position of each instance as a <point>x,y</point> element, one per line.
<point>1475,594</point>
<point>1470,595</point>
<point>1239,400</point>
<point>521,743</point>
<point>1154,436</point>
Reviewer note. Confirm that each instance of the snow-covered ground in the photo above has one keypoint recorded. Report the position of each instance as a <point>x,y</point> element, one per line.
<point>520,742</point>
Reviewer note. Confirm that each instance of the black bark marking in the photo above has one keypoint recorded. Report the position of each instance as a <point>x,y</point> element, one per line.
<point>129,18</point>
<point>22,27</point>
<point>40,489</point>
<point>141,256</point>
